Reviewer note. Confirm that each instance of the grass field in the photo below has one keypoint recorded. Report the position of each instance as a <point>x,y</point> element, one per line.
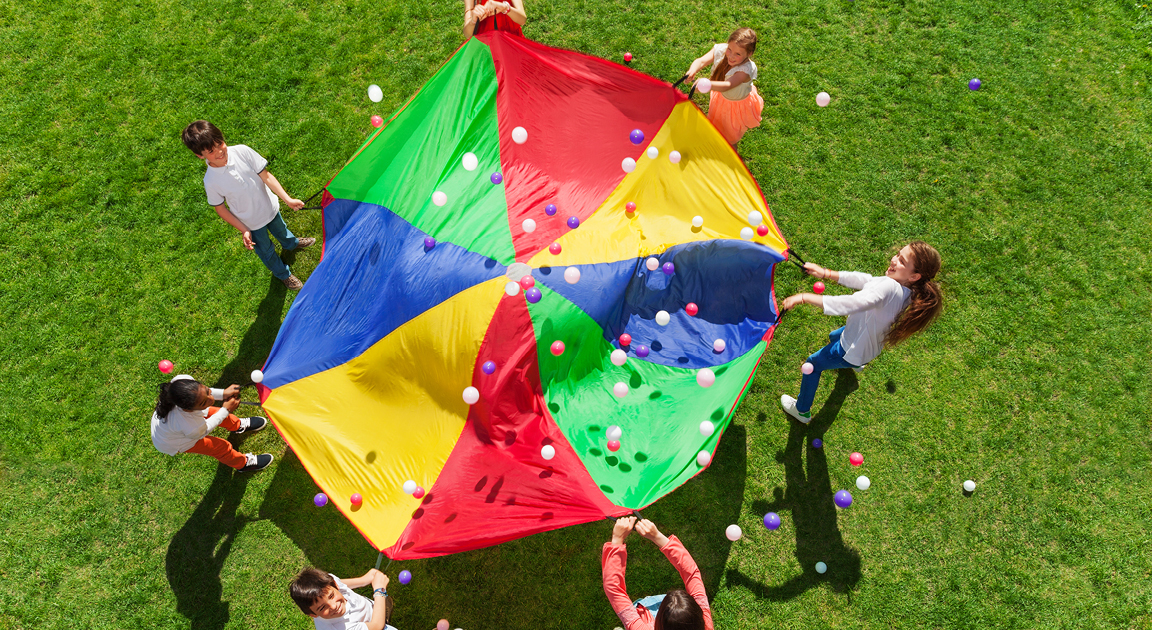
<point>1036,190</point>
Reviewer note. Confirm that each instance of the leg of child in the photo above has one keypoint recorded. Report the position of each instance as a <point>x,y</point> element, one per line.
<point>220,449</point>
<point>830,357</point>
<point>231,423</point>
<point>279,228</point>
<point>267,252</point>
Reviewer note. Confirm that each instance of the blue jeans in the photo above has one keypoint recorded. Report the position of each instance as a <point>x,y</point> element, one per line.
<point>652,603</point>
<point>267,251</point>
<point>830,357</point>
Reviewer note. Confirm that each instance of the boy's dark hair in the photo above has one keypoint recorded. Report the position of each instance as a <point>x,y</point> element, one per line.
<point>182,393</point>
<point>679,611</point>
<point>308,586</point>
<point>201,136</point>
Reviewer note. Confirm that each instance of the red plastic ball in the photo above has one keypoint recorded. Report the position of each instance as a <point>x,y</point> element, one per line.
<point>818,287</point>
<point>628,57</point>
<point>856,459</point>
<point>613,445</point>
<point>356,499</point>
<point>762,230</point>
<point>554,248</point>
<point>691,309</point>
<point>557,348</point>
<point>527,282</point>
<point>165,366</point>
<point>630,206</point>
<point>377,121</point>
<point>625,339</point>
<point>418,493</point>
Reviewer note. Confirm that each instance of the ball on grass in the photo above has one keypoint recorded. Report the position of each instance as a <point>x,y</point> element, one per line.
<point>856,459</point>
<point>974,84</point>
<point>863,482</point>
<point>822,99</point>
<point>377,121</point>
<point>772,520</point>
<point>733,533</point>
<point>969,486</point>
<point>818,287</point>
<point>165,366</point>
<point>627,57</point>
<point>442,624</point>
<point>405,576</point>
<point>320,500</point>
<point>817,443</point>
<point>375,94</point>
<point>842,498</point>
<point>821,568</point>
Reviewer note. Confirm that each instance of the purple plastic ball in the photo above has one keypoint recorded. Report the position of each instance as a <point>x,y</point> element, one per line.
<point>405,576</point>
<point>429,242</point>
<point>974,84</point>
<point>488,367</point>
<point>772,520</point>
<point>497,177</point>
<point>817,443</point>
<point>641,351</point>
<point>636,136</point>
<point>550,209</point>
<point>533,295</point>
<point>320,499</point>
<point>842,499</point>
<point>573,222</point>
<point>669,268</point>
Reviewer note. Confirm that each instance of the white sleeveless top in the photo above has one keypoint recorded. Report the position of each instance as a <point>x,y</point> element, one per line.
<point>741,91</point>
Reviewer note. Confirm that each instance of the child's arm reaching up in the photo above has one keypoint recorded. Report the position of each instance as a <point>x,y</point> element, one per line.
<point>699,64</point>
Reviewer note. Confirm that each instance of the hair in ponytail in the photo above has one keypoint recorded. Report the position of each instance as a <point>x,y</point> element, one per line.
<point>927,300</point>
<point>743,36</point>
<point>182,393</point>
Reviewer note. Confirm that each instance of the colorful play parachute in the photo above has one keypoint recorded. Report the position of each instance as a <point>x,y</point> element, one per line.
<point>482,239</point>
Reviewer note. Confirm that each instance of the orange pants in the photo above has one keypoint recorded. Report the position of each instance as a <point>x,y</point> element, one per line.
<point>221,449</point>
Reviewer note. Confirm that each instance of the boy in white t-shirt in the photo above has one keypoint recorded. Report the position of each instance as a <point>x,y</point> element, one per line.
<point>239,176</point>
<point>332,604</point>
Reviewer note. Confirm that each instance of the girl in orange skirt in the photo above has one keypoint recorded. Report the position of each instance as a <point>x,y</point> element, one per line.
<point>735,106</point>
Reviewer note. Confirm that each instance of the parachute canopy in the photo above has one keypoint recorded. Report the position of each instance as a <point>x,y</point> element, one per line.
<point>367,378</point>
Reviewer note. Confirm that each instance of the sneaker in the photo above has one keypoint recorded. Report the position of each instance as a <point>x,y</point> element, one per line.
<point>257,462</point>
<point>251,425</point>
<point>301,243</point>
<point>789,405</point>
<point>292,282</point>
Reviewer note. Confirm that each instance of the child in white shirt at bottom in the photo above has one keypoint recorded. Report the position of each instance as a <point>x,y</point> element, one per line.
<point>333,605</point>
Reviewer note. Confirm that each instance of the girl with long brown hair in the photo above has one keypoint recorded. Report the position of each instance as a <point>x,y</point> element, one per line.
<point>884,311</point>
<point>735,105</point>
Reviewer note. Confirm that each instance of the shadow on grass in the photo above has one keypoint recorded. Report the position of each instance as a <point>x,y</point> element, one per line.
<point>258,339</point>
<point>515,584</point>
<point>809,497</point>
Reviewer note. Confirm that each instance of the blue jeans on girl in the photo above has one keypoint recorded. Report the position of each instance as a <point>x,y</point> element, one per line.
<point>830,357</point>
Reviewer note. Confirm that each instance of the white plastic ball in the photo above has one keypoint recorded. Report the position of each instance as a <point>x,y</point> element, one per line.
<point>969,486</point>
<point>652,264</point>
<point>519,135</point>
<point>439,198</point>
<point>705,377</point>
<point>697,221</point>
<point>572,275</point>
<point>703,458</point>
<point>614,432</point>
<point>529,225</point>
<point>470,162</point>
<point>375,94</point>
<point>257,376</point>
<point>719,345</point>
<point>807,368</point>
<point>703,86</point>
<point>471,395</point>
<point>755,217</point>
<point>409,487</point>
<point>733,533</point>
<point>652,152</point>
<point>707,428</point>
<point>674,157</point>
<point>619,357</point>
<point>863,482</point>
<point>822,99</point>
<point>512,288</point>
<point>662,318</point>
<point>620,389</point>
<point>628,165</point>
<point>548,451</point>
<point>821,567</point>
<point>746,233</point>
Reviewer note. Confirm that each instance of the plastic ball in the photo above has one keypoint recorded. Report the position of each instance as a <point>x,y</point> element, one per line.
<point>662,318</point>
<point>619,357</point>
<point>533,295</point>
<point>410,487</point>
<point>636,136</point>
<point>821,568</point>
<point>320,500</point>
<point>628,165</point>
<point>707,428</point>
<point>703,85</point>
<point>555,249</point>
<point>529,225</point>
<point>257,376</point>
<point>614,432</point>
<point>471,395</point>
<point>697,221</point>
<point>969,486</point>
<point>418,492</point>
<point>439,198</point>
<point>817,443</point>
<point>762,230</point>
<point>733,533</point>
<point>818,287</point>
<point>620,389</point>
<point>497,177</point>
<point>442,624</point>
<point>527,282</point>
<point>974,84</point>
<point>747,233</point>
<point>703,458</point>
<point>807,368</point>
<point>519,135</point>
<point>548,451</point>
<point>572,275</point>
<point>512,288</point>
<point>822,99</point>
<point>652,264</point>
<point>405,576</point>
<point>625,339</point>
<point>842,498</point>
<point>630,206</point>
<point>755,217</point>
<point>674,157</point>
<point>573,222</point>
<point>488,367</point>
<point>668,268</point>
<point>165,366</point>
<point>613,445</point>
<point>705,377</point>
<point>377,121</point>
<point>691,309</point>
<point>652,153</point>
<point>469,161</point>
<point>642,351</point>
<point>856,459</point>
<point>550,209</point>
<point>719,345</point>
<point>429,242</point>
<point>863,482</point>
<point>627,57</point>
<point>772,520</point>
<point>356,499</point>
<point>375,94</point>
<point>557,348</point>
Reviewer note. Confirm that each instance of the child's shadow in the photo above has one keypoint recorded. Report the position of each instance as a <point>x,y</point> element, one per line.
<point>808,496</point>
<point>258,339</point>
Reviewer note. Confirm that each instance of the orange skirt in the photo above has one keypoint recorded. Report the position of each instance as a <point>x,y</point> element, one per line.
<point>733,118</point>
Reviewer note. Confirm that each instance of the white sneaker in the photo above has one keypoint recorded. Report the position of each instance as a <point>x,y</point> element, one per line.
<point>789,405</point>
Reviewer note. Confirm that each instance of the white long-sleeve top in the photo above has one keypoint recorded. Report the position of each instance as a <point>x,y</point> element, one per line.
<point>871,310</point>
<point>181,429</point>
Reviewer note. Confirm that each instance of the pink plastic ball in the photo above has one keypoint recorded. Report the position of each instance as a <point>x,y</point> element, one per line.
<point>818,287</point>
<point>557,348</point>
<point>527,282</point>
<point>418,493</point>
<point>691,309</point>
<point>442,624</point>
<point>625,339</point>
<point>627,57</point>
<point>554,248</point>
<point>165,366</point>
<point>807,368</point>
<point>377,121</point>
<point>630,206</point>
<point>856,459</point>
<point>613,445</point>
<point>356,499</point>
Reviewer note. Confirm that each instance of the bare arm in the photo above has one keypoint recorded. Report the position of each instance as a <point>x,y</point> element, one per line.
<point>271,181</point>
<point>516,12</point>
<point>470,18</point>
<point>379,600</point>
<point>701,63</point>
<point>231,219</point>
<point>735,80</point>
<point>363,580</point>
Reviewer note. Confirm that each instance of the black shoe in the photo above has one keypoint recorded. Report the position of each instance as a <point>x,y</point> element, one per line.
<point>255,423</point>
<point>262,462</point>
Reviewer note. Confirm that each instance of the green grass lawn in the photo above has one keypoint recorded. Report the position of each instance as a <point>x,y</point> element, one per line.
<point>1034,383</point>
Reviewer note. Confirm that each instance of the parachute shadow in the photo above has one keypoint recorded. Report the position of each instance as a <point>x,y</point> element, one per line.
<point>258,339</point>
